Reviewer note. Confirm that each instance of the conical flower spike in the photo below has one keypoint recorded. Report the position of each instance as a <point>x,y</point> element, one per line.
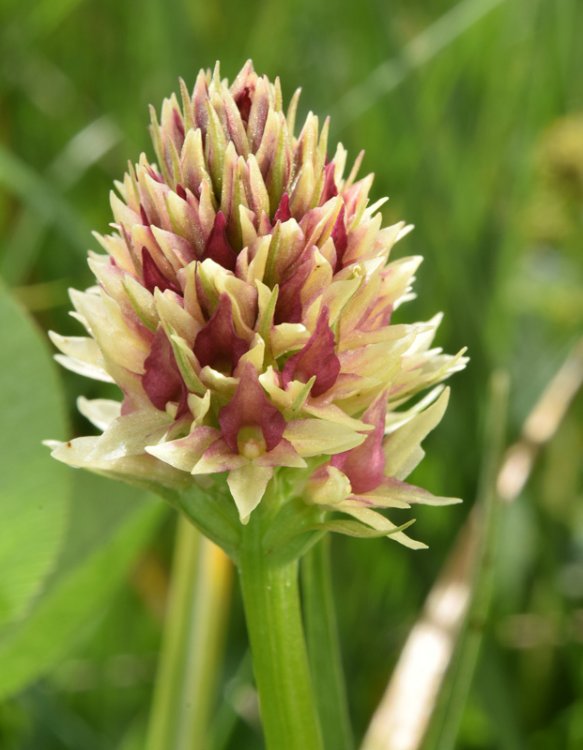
<point>245,310</point>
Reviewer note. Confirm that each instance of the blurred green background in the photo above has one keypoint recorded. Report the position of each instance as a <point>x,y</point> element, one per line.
<point>471,115</point>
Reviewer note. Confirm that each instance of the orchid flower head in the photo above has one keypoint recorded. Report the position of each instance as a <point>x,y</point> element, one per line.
<point>244,307</point>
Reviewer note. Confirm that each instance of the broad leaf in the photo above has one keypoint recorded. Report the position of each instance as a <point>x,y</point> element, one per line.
<point>34,490</point>
<point>110,523</point>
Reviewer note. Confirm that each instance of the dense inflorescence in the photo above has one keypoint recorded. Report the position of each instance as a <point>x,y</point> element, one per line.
<point>244,308</point>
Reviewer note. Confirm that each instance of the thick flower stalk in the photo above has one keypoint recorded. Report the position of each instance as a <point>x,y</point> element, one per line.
<point>244,307</point>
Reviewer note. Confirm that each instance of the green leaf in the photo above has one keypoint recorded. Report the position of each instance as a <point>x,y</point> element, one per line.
<point>324,646</point>
<point>446,644</point>
<point>445,721</point>
<point>45,202</point>
<point>34,490</point>
<point>110,523</point>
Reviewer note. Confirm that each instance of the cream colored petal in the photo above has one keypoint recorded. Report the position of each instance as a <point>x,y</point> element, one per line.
<point>259,252</point>
<point>142,301</point>
<point>376,499</point>
<point>270,383</point>
<point>128,435</point>
<point>216,381</point>
<point>82,355</point>
<point>362,241</point>
<point>329,487</point>
<point>337,295</point>
<point>397,419</point>
<point>287,337</point>
<point>317,437</point>
<point>256,353</point>
<point>380,523</point>
<point>246,222</point>
<point>371,210</point>
<point>176,249</point>
<point>284,454</point>
<point>199,405</point>
<point>191,304</point>
<point>397,282</point>
<point>248,484</point>
<point>266,302</point>
<point>402,447</point>
<point>429,369</point>
<point>320,278</point>
<point>82,368</point>
<point>184,453</point>
<point>393,493</point>
<point>287,244</point>
<point>218,458</point>
<point>258,195</point>
<point>187,363</point>
<point>357,339</point>
<point>173,315</point>
<point>118,341</point>
<point>99,411</point>
<point>117,248</point>
<point>374,359</point>
<point>216,280</point>
<point>332,413</point>
<point>141,469</point>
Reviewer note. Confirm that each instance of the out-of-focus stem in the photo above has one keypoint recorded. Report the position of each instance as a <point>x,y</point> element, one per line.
<point>324,646</point>
<point>192,644</point>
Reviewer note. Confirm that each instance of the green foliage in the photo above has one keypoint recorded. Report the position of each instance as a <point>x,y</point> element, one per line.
<point>478,144</point>
<point>108,528</point>
<point>34,493</point>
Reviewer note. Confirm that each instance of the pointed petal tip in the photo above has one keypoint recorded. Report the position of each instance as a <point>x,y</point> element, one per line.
<point>247,485</point>
<point>52,445</point>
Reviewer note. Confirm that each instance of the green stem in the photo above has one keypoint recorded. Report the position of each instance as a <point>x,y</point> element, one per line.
<point>192,643</point>
<point>324,646</point>
<point>280,661</point>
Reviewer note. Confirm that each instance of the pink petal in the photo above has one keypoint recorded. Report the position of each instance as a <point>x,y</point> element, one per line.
<point>376,317</point>
<point>316,358</point>
<point>284,454</point>
<point>144,216</point>
<point>217,344</point>
<point>153,276</point>
<point>288,308</point>
<point>283,212</point>
<point>365,464</point>
<point>154,174</point>
<point>218,247</point>
<point>243,102</point>
<point>250,407</point>
<point>340,238</point>
<point>161,379</point>
<point>329,189</point>
<point>178,126</point>
<point>218,458</point>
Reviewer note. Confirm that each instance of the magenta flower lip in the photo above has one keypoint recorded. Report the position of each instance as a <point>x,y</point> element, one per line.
<point>316,359</point>
<point>216,344</point>
<point>245,309</point>
<point>250,407</point>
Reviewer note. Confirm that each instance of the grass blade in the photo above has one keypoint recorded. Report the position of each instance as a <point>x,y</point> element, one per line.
<point>419,681</point>
<point>324,647</point>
